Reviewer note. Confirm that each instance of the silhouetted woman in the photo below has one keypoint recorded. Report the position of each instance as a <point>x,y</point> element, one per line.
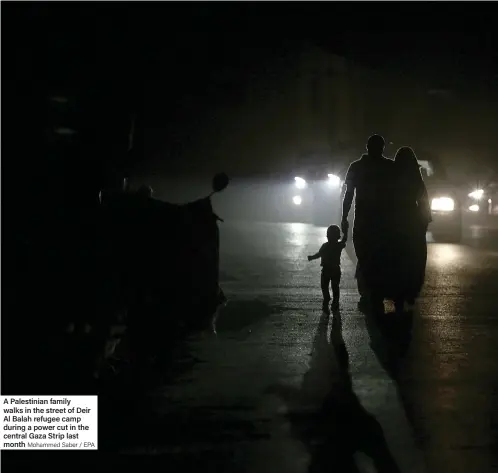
<point>412,217</point>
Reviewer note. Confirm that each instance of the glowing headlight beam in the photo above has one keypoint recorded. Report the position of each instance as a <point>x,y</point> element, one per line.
<point>297,200</point>
<point>300,182</point>
<point>333,180</point>
<point>477,194</point>
<point>445,204</point>
<point>474,208</point>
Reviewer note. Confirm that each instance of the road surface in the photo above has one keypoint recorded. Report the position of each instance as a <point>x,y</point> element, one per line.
<point>283,388</point>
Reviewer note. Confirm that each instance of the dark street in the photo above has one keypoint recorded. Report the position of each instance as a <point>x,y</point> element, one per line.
<point>143,148</point>
<point>273,358</point>
<point>285,388</point>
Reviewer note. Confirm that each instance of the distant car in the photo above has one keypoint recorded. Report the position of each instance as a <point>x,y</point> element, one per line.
<point>483,200</point>
<point>316,190</point>
<point>481,207</point>
<point>446,203</point>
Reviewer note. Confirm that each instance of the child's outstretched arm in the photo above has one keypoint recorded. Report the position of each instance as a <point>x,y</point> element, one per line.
<point>317,254</point>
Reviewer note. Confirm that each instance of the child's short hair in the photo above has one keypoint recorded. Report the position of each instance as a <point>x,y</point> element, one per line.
<point>333,232</point>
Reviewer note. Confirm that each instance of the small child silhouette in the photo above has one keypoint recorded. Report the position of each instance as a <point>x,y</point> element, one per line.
<point>330,253</point>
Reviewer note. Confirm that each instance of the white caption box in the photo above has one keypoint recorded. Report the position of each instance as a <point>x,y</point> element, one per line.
<point>49,423</point>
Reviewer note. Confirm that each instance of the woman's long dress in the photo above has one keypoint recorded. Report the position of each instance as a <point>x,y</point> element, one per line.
<point>411,217</point>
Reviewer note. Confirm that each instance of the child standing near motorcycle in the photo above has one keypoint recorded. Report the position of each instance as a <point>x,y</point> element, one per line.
<point>330,254</point>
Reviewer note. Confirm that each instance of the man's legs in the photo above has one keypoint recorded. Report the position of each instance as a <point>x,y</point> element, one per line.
<point>366,249</point>
<point>359,247</point>
<point>360,281</point>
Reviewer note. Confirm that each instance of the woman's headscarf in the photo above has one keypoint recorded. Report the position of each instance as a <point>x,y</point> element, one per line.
<point>406,161</point>
<point>408,173</point>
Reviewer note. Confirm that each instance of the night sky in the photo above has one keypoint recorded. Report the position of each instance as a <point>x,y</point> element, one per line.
<point>167,60</point>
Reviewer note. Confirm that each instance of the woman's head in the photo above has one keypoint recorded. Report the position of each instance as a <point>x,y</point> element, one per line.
<point>406,159</point>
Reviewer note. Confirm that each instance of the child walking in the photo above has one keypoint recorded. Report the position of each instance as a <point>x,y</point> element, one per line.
<point>330,253</point>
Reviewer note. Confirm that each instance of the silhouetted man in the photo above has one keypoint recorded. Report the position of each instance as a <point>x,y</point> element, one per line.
<point>369,180</point>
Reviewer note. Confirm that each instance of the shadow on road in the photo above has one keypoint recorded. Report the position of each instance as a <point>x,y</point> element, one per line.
<point>341,426</point>
<point>240,314</point>
<point>390,337</point>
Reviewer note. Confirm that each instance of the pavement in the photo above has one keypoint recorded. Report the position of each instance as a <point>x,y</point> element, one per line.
<point>282,387</point>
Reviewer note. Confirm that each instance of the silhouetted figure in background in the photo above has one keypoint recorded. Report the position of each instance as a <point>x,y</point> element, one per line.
<point>143,269</point>
<point>369,179</point>
<point>145,191</point>
<point>330,253</point>
<point>412,215</point>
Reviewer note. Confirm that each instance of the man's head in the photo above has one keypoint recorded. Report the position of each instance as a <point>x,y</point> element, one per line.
<point>333,233</point>
<point>375,145</point>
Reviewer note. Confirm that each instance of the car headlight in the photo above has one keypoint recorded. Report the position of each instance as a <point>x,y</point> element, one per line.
<point>445,204</point>
<point>300,182</point>
<point>474,208</point>
<point>297,200</point>
<point>477,194</point>
<point>333,180</point>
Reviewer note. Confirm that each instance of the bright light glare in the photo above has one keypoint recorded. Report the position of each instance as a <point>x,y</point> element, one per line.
<point>334,181</point>
<point>445,254</point>
<point>474,208</point>
<point>445,204</point>
<point>477,194</point>
<point>300,183</point>
<point>297,200</point>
